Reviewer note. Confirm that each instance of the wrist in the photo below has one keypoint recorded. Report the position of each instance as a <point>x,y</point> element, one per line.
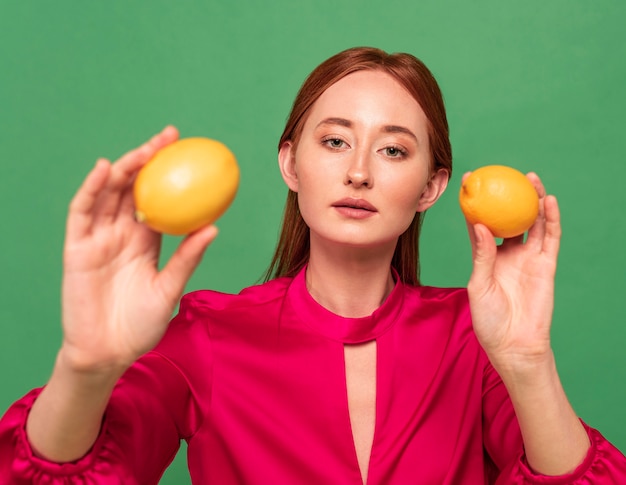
<point>70,362</point>
<point>66,417</point>
<point>524,369</point>
<point>555,441</point>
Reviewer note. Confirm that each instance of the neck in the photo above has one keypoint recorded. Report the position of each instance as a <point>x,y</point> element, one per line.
<point>350,282</point>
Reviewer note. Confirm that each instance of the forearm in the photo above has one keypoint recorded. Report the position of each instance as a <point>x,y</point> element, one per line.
<point>555,441</point>
<point>66,418</point>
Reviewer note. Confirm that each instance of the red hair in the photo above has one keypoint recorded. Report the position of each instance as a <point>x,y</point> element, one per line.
<point>292,250</point>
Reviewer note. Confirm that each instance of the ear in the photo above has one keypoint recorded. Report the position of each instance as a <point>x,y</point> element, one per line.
<point>436,186</point>
<point>287,164</point>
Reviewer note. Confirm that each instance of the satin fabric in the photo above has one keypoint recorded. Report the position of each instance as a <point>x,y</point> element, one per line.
<point>255,383</point>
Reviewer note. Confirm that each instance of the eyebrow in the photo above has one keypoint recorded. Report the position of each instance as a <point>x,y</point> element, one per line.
<point>386,128</point>
<point>335,121</point>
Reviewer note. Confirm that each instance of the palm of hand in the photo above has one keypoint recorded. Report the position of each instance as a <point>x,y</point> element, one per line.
<point>511,289</point>
<point>116,302</point>
<point>512,310</point>
<point>114,309</point>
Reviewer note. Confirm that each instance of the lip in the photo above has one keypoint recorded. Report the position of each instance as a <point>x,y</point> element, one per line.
<point>352,203</point>
<point>355,208</point>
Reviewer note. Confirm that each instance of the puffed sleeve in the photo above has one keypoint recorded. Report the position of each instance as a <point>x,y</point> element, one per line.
<point>603,465</point>
<point>152,408</point>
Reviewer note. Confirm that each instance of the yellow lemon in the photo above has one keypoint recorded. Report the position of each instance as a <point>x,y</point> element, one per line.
<point>186,185</point>
<point>501,198</point>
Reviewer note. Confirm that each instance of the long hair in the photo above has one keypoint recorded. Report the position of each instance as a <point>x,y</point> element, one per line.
<point>292,250</point>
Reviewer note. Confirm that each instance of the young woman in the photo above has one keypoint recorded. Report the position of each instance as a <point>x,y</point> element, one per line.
<point>341,369</point>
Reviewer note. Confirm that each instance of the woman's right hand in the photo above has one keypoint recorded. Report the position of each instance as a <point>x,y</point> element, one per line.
<point>116,303</point>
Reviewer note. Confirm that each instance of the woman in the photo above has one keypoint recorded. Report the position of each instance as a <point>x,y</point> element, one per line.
<point>340,369</point>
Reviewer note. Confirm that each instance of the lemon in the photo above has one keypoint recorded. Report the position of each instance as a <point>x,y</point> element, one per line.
<point>187,185</point>
<point>501,198</point>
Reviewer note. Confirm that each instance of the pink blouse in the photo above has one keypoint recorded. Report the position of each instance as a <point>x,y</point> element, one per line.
<point>255,383</point>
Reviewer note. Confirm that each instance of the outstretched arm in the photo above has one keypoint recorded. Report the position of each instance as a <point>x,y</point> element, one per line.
<point>116,303</point>
<point>511,293</point>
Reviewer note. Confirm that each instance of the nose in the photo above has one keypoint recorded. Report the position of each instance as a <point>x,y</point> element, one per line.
<point>358,172</point>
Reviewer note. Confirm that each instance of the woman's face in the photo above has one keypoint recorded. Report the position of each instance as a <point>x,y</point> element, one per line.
<point>361,168</point>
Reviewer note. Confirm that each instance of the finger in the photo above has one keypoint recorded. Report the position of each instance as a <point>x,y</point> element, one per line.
<point>552,237</point>
<point>484,258</point>
<point>174,276</point>
<point>81,210</point>
<point>537,231</point>
<point>124,171</point>
<point>537,183</point>
<point>129,163</point>
<point>471,232</point>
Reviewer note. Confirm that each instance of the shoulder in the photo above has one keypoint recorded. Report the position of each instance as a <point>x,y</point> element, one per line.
<point>439,299</point>
<point>446,309</point>
<point>198,310</point>
<point>188,342</point>
<point>442,317</point>
<point>438,292</point>
<point>209,301</point>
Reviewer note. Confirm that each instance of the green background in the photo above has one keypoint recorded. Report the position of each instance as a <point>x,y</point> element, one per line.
<point>538,85</point>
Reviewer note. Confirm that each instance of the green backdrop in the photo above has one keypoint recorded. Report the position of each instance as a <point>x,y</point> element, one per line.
<point>538,85</point>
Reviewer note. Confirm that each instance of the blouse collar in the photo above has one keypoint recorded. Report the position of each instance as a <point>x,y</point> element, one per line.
<point>344,329</point>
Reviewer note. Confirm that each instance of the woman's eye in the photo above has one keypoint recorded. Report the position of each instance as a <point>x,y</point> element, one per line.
<point>394,152</point>
<point>334,142</point>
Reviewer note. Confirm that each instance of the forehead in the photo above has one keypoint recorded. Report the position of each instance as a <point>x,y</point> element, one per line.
<point>370,97</point>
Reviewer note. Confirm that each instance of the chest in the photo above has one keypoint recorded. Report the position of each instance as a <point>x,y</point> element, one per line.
<point>301,405</point>
<point>360,365</point>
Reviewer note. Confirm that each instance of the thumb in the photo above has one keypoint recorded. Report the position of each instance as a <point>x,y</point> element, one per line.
<point>484,251</point>
<point>174,276</point>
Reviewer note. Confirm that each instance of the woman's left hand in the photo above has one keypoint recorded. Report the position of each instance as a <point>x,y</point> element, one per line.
<point>511,288</point>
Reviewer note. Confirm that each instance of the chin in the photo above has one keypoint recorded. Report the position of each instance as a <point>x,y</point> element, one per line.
<point>360,240</point>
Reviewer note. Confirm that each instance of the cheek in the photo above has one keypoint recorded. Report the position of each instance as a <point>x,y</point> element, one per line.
<point>307,208</point>
<point>405,191</point>
<point>316,177</point>
<point>409,196</point>
<point>313,195</point>
<point>309,194</point>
